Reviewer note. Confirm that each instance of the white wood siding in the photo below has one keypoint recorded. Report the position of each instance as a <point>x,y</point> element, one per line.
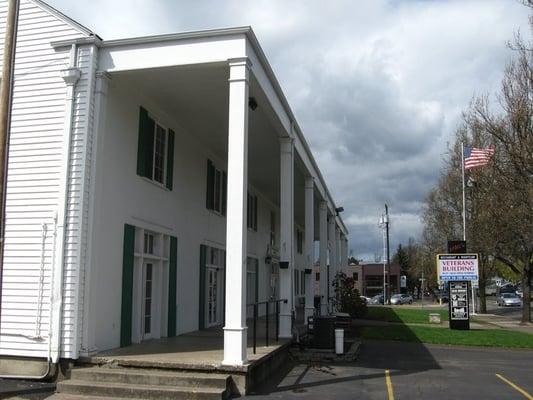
<point>33,183</point>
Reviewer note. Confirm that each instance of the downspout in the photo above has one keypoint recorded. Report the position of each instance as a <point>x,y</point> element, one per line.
<point>70,75</point>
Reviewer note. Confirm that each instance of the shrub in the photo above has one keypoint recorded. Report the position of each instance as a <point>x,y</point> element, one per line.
<point>348,297</point>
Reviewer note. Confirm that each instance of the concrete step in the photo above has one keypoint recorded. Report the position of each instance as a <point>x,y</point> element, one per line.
<point>128,390</point>
<point>151,377</point>
<point>65,396</point>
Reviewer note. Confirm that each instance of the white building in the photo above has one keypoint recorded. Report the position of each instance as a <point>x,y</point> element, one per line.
<point>156,185</point>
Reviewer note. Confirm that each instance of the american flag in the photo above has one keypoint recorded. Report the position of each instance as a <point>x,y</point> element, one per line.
<point>475,157</point>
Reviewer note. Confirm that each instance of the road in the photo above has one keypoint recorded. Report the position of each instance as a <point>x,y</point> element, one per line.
<point>511,312</point>
<point>394,370</point>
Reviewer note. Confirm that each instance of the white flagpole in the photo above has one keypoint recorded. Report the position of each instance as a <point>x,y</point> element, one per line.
<point>464,221</point>
<point>464,197</point>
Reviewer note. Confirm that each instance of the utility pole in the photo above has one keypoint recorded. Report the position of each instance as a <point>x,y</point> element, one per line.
<point>6,89</point>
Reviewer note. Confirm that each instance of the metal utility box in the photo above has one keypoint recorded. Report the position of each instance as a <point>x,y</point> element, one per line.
<point>324,332</point>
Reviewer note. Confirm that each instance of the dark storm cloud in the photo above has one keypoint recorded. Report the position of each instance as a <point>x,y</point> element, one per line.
<point>377,86</point>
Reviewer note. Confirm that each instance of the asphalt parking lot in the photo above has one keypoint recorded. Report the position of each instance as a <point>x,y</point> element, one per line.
<point>395,370</point>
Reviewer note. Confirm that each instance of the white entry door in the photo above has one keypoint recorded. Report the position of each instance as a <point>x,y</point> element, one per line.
<point>147,300</point>
<point>213,300</point>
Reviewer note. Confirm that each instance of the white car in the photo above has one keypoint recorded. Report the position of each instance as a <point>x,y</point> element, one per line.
<point>509,299</point>
<point>401,299</point>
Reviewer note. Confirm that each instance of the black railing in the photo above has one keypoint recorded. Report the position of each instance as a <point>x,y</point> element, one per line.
<point>267,318</point>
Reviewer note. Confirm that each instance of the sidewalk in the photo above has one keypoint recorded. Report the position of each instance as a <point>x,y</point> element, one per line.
<point>25,388</point>
<point>492,320</point>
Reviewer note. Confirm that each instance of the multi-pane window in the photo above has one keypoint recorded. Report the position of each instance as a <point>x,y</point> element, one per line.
<point>355,276</point>
<point>299,241</point>
<point>155,157</point>
<point>159,153</point>
<point>252,211</point>
<point>148,243</point>
<point>317,276</point>
<point>296,282</point>
<point>216,189</point>
<point>302,280</point>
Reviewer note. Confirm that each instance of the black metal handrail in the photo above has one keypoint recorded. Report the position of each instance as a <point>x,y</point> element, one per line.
<point>256,312</point>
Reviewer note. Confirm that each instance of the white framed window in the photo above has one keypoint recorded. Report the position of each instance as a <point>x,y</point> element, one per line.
<point>160,153</point>
<point>252,212</point>
<point>155,151</point>
<point>216,189</point>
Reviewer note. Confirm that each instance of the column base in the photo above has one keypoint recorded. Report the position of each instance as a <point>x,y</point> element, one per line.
<point>285,326</point>
<point>235,343</point>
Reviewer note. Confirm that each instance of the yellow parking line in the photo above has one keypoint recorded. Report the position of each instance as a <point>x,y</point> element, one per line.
<point>389,385</point>
<point>518,388</point>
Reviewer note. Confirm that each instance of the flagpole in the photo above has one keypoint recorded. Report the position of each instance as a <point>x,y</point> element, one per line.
<point>464,220</point>
<point>464,197</point>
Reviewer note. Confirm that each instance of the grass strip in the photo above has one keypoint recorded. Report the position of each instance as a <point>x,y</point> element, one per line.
<point>405,315</point>
<point>473,337</point>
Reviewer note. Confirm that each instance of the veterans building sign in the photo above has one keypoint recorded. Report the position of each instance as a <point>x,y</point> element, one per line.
<point>457,267</point>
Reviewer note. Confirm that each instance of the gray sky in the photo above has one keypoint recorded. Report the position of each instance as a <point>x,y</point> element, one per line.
<point>377,86</point>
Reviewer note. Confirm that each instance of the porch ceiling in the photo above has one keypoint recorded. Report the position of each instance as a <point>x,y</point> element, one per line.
<point>197,98</point>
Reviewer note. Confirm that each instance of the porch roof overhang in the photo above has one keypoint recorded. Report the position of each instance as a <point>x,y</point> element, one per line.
<point>211,47</point>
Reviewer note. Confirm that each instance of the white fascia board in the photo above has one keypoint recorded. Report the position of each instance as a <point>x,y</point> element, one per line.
<point>129,55</point>
<point>270,85</point>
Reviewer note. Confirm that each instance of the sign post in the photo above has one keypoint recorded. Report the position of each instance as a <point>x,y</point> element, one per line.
<point>458,270</point>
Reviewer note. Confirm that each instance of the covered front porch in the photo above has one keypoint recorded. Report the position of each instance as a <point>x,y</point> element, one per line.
<point>224,107</point>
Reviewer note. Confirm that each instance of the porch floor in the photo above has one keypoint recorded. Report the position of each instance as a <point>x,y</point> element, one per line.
<point>199,350</point>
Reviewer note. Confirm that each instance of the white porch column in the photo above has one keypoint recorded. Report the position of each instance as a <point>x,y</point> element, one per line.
<point>309,246</point>
<point>332,255</point>
<point>323,225</point>
<point>286,235</point>
<point>235,337</point>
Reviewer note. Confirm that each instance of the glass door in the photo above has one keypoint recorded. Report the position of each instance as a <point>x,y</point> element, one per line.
<point>212,297</point>
<point>147,300</point>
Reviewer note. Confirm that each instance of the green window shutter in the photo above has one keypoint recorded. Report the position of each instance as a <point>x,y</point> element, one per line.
<point>224,192</point>
<point>201,302</point>
<point>145,146</point>
<point>210,195</point>
<point>170,159</point>
<point>127,285</point>
<point>172,284</point>
<point>255,213</point>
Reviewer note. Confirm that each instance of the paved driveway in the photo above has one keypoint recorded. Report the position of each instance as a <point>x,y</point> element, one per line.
<point>394,370</point>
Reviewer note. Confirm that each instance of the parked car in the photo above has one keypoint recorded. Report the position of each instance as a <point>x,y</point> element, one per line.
<point>377,299</point>
<point>520,293</point>
<point>509,299</point>
<point>401,299</point>
<point>366,299</point>
<point>443,296</point>
<point>508,289</point>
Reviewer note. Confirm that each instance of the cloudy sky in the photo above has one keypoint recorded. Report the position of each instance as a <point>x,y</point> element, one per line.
<point>376,85</point>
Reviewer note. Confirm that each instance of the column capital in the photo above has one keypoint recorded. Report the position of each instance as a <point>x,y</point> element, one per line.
<point>309,182</point>
<point>323,205</point>
<point>239,69</point>
<point>286,144</point>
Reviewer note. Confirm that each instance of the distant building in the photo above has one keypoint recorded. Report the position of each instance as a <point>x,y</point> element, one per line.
<point>369,277</point>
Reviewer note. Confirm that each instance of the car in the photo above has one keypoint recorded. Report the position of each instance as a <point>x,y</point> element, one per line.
<point>520,293</point>
<point>401,299</point>
<point>377,299</point>
<point>509,299</point>
<point>366,299</point>
<point>443,296</point>
<point>508,289</point>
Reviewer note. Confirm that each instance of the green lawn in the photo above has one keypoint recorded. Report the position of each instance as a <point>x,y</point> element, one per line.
<point>405,315</point>
<point>474,337</point>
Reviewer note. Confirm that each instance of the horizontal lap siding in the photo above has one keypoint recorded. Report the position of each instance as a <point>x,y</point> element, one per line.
<point>34,170</point>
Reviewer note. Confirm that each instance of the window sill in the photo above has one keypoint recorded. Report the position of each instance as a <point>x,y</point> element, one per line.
<point>155,183</point>
<point>214,212</point>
